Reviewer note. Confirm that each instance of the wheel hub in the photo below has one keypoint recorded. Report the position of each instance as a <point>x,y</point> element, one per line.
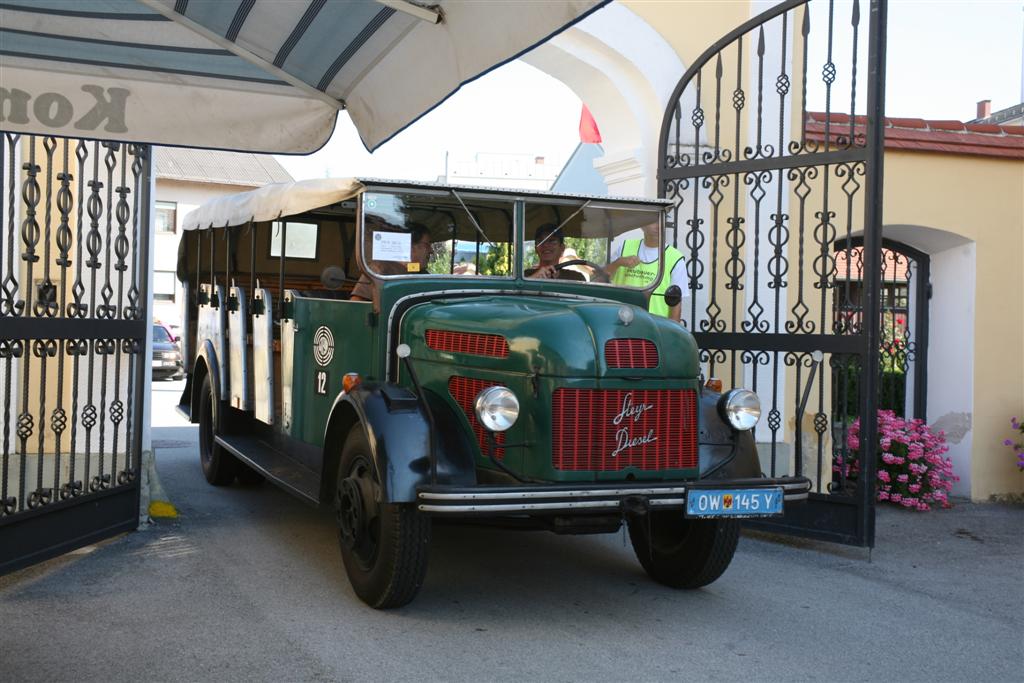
<point>351,519</point>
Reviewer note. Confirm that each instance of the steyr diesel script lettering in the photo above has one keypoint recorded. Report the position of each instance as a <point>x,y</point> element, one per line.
<point>623,440</point>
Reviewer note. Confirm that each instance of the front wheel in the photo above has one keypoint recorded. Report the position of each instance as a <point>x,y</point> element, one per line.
<point>680,552</point>
<point>383,545</point>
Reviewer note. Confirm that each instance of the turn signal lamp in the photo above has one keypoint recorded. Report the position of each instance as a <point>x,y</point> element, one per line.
<point>350,381</point>
<point>714,384</point>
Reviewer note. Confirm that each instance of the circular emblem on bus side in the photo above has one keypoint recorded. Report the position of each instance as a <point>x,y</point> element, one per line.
<point>323,346</point>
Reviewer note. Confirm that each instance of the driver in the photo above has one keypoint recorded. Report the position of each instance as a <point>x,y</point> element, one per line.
<point>549,242</point>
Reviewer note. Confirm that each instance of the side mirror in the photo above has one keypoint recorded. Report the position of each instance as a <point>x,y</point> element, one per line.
<point>673,295</point>
<point>176,339</point>
<point>333,277</point>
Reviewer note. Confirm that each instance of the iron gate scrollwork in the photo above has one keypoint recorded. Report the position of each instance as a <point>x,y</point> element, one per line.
<point>771,149</point>
<point>73,283</point>
<point>904,294</point>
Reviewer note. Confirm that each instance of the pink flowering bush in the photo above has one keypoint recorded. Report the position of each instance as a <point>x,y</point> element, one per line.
<point>911,469</point>
<point>1018,447</point>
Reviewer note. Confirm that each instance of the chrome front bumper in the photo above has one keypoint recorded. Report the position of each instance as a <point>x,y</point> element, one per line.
<point>584,497</point>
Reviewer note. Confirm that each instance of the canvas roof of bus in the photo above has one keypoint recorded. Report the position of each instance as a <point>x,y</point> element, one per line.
<point>439,210</point>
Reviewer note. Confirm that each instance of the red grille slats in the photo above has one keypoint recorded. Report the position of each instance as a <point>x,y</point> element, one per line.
<point>493,345</point>
<point>584,435</point>
<point>631,353</point>
<point>465,390</point>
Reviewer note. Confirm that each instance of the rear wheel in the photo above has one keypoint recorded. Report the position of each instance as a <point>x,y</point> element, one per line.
<point>384,546</point>
<point>219,466</point>
<point>681,552</point>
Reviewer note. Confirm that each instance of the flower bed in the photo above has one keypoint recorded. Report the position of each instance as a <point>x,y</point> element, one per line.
<point>911,470</point>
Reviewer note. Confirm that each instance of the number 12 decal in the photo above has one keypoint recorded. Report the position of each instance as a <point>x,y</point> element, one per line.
<point>321,382</point>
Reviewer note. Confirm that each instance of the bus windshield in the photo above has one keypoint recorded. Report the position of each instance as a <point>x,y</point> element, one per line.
<point>440,233</point>
<point>591,241</point>
<point>459,233</point>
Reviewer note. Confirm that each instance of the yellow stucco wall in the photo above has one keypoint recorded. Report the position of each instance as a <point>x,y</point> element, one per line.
<point>691,27</point>
<point>982,199</point>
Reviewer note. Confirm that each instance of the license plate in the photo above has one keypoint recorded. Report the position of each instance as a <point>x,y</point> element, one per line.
<point>734,502</point>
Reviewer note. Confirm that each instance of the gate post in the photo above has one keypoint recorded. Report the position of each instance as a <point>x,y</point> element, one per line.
<point>873,269</point>
<point>144,382</point>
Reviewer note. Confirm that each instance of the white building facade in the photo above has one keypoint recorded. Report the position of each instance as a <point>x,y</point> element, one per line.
<point>185,179</point>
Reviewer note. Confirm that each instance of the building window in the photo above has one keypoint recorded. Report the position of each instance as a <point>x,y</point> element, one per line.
<point>166,217</point>
<point>163,285</point>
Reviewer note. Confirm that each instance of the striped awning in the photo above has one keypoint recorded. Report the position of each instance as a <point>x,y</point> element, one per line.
<point>252,75</point>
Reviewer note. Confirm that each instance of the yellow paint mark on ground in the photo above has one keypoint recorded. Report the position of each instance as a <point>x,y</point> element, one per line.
<point>162,509</point>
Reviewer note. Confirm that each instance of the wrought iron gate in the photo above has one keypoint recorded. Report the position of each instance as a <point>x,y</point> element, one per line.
<point>772,159</point>
<point>903,349</point>
<point>73,291</point>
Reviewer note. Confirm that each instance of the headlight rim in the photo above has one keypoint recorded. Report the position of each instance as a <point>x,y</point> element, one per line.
<point>727,415</point>
<point>489,395</point>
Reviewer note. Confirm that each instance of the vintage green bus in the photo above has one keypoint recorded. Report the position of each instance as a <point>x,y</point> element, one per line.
<point>384,348</point>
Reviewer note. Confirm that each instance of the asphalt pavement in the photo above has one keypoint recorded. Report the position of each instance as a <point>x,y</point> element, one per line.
<point>247,584</point>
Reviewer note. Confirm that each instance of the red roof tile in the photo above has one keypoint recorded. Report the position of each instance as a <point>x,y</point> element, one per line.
<point>946,125</point>
<point>908,123</point>
<point>895,267</point>
<point>949,137</point>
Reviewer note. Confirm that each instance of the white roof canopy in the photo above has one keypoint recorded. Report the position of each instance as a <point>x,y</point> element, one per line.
<point>271,202</point>
<point>252,75</point>
<point>280,200</point>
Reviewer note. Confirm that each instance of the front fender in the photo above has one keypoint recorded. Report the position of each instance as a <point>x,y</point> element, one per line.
<point>398,432</point>
<point>724,452</point>
<point>206,357</point>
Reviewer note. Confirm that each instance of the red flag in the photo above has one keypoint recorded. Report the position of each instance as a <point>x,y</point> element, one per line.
<point>588,127</point>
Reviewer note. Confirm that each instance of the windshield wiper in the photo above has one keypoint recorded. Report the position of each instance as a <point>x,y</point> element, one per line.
<point>571,216</point>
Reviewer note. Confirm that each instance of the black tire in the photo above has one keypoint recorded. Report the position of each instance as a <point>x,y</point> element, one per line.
<point>384,546</point>
<point>219,466</point>
<point>680,552</point>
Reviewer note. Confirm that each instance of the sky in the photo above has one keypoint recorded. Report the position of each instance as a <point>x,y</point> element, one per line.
<point>943,57</point>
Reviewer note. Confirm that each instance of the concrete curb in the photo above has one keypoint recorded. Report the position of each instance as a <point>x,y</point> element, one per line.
<point>153,502</point>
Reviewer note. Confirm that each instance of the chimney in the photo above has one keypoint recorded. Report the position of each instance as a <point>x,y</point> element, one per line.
<point>984,109</point>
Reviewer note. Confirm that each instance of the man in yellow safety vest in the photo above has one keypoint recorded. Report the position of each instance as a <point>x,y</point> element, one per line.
<point>636,265</point>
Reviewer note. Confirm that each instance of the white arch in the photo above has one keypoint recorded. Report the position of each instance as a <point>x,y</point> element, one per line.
<point>625,72</point>
<point>951,330</point>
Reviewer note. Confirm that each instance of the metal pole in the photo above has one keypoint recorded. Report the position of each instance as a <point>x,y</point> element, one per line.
<point>143,436</point>
<point>872,270</point>
<point>280,274</point>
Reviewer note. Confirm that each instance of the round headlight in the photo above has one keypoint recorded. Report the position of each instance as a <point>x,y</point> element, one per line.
<point>741,408</point>
<point>497,408</point>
